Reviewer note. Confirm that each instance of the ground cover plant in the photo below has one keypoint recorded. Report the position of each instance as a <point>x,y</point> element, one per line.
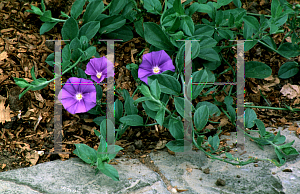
<point>159,74</point>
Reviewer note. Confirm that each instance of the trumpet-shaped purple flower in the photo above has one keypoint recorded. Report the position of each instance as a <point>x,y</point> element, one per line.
<point>78,95</point>
<point>97,68</point>
<point>155,62</point>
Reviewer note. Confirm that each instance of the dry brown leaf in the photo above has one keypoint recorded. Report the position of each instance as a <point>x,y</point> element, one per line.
<point>224,121</point>
<point>3,55</point>
<point>4,112</point>
<point>290,91</point>
<point>38,97</point>
<point>293,128</point>
<point>32,158</point>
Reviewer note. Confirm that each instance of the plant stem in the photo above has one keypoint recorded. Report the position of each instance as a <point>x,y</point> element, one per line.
<point>58,20</point>
<point>41,84</point>
<point>267,107</point>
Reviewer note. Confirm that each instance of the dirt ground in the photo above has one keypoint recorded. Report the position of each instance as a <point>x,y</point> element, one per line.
<point>31,127</point>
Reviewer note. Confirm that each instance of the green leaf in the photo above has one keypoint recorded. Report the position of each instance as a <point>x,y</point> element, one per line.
<point>113,150</point>
<point>77,8</point>
<point>111,23</point>
<point>141,99</point>
<point>103,127</point>
<point>63,14</point>
<point>124,33</point>
<point>255,69</point>
<point>130,109</point>
<point>32,74</point>
<point>155,36</point>
<point>153,105</point>
<point>172,22</point>
<point>204,8</point>
<point>178,7</point>
<point>231,20</point>
<point>290,151</point>
<point>132,120</point>
<point>237,3</point>
<point>99,91</point>
<point>200,77</point>
<point>221,3</point>
<point>89,29</point>
<point>200,140</point>
<point>287,145</point>
<point>47,26</point>
<point>128,11</point>
<point>280,156</point>
<point>249,45</point>
<point>179,105</point>
<point>110,171</point>
<point>155,89</point>
<point>46,17</point>
<point>145,90</point>
<point>116,6</point>
<point>289,50</point>
<point>75,45</point>
<point>168,84</point>
<point>205,41</point>
<point>37,82</point>
<point>250,116</point>
<point>86,153</point>
<point>260,125</point>
<point>212,108</point>
<point>102,147</point>
<point>66,53</point>
<point>50,60</point>
<point>98,120</point>
<point>209,54</point>
<point>204,30</point>
<point>279,139</point>
<point>232,112</point>
<point>88,53</point>
<point>21,82</point>
<point>160,116</point>
<point>118,109</point>
<point>179,145</point>
<point>84,42</point>
<point>187,25</point>
<point>138,25</point>
<point>148,111</point>
<point>43,5</point>
<point>35,10</point>
<point>153,6</point>
<point>288,69</point>
<point>274,6</point>
<point>69,30</point>
<point>81,73</point>
<point>252,22</point>
<point>97,133</point>
<point>201,117</point>
<point>219,17</point>
<point>176,128</point>
<point>93,10</point>
<point>214,142</point>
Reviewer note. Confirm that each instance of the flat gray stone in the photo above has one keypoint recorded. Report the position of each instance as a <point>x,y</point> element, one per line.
<point>75,176</point>
<point>192,172</point>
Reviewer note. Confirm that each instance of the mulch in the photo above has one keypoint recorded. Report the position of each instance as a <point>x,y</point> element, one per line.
<point>28,129</point>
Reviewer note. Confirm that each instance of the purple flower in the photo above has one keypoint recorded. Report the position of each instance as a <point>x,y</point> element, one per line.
<point>78,95</point>
<point>97,68</point>
<point>155,62</point>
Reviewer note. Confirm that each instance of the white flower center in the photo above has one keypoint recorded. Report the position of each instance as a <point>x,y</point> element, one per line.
<point>78,96</point>
<point>156,69</point>
<point>99,74</point>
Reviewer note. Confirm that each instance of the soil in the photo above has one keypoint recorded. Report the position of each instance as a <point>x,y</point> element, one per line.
<point>31,127</point>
